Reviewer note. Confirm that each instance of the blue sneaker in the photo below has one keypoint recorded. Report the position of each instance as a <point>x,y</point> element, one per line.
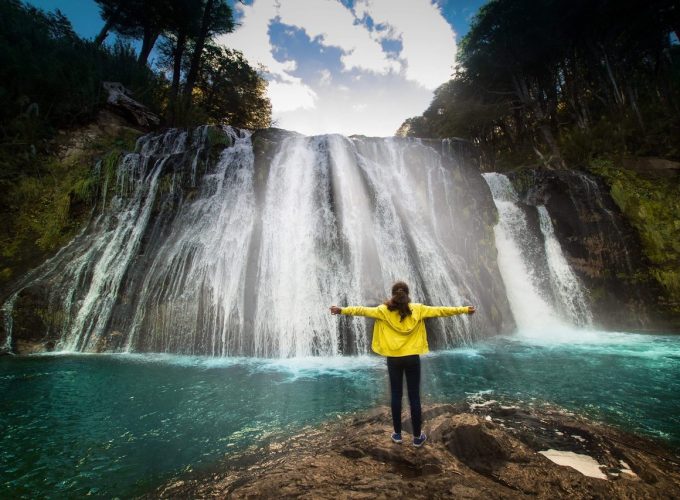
<point>396,437</point>
<point>419,441</point>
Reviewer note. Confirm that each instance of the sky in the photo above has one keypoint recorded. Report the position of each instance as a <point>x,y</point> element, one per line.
<point>336,66</point>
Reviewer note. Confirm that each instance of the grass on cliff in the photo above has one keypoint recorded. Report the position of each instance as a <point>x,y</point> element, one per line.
<point>44,210</point>
<point>652,205</point>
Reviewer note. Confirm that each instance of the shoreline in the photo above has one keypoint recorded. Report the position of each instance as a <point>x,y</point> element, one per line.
<point>473,451</point>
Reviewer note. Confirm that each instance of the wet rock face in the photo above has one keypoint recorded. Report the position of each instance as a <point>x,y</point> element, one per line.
<point>601,247</point>
<point>36,325</point>
<point>488,452</point>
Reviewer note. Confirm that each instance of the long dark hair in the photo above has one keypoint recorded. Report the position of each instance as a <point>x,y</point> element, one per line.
<point>400,299</point>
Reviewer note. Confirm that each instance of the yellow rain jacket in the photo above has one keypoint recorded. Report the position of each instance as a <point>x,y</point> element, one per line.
<point>395,338</point>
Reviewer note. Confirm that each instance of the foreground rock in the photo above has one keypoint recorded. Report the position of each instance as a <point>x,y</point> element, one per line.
<point>487,451</point>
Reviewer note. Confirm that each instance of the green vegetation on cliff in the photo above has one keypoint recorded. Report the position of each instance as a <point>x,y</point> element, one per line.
<point>652,205</point>
<point>45,210</point>
<point>51,79</point>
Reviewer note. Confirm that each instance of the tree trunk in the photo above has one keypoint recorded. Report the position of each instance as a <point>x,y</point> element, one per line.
<point>618,95</point>
<point>180,45</point>
<point>633,103</point>
<point>103,33</point>
<point>198,51</point>
<point>148,42</point>
<point>522,90</point>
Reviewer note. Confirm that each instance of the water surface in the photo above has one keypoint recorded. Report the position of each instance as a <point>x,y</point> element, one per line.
<point>122,424</point>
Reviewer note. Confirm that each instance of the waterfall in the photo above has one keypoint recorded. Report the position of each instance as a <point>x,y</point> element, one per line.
<point>221,242</point>
<point>193,282</point>
<point>569,295</point>
<point>522,250</point>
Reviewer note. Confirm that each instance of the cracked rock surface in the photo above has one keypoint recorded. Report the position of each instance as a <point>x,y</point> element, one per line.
<point>490,451</point>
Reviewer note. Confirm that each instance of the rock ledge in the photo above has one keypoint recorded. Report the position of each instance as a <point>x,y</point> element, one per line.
<point>487,451</point>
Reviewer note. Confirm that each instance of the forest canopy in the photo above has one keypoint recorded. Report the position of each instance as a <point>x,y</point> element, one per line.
<point>563,81</point>
<point>50,78</point>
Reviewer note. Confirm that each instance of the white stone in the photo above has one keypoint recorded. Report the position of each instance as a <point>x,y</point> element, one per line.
<point>585,464</point>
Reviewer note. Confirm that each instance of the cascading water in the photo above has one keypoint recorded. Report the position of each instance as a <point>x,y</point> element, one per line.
<point>221,242</point>
<point>240,251</point>
<point>537,308</point>
<point>570,296</point>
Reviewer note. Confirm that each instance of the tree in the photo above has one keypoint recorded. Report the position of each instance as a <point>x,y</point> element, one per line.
<point>217,19</point>
<point>184,22</point>
<point>137,19</point>
<point>191,25</point>
<point>231,91</point>
<point>563,77</point>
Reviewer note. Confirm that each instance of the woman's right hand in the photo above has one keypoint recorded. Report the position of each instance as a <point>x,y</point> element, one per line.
<point>471,309</point>
<point>336,310</point>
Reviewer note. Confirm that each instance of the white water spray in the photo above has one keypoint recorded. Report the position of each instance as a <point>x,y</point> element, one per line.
<point>536,312</point>
<point>231,257</point>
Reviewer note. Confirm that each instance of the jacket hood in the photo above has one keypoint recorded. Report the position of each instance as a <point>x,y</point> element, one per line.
<point>406,326</point>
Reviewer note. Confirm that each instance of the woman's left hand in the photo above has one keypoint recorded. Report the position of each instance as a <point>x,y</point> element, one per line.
<point>336,310</point>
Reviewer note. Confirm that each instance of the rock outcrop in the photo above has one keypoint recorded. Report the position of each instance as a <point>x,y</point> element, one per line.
<point>602,247</point>
<point>488,451</point>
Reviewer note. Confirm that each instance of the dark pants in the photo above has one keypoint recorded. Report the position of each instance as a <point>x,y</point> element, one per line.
<point>397,368</point>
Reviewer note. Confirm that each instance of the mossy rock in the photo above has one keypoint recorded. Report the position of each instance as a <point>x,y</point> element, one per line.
<point>652,205</point>
<point>47,208</point>
<point>218,138</point>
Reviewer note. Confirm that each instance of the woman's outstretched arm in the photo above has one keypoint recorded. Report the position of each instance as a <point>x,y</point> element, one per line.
<point>371,312</point>
<point>435,312</point>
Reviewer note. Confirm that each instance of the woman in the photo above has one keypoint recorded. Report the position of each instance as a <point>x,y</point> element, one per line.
<point>399,334</point>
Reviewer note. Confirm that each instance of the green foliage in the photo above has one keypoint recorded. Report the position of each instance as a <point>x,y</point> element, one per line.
<point>44,211</point>
<point>51,79</point>
<point>133,18</point>
<point>563,81</point>
<point>230,91</point>
<point>652,205</point>
<point>217,138</point>
<point>51,75</point>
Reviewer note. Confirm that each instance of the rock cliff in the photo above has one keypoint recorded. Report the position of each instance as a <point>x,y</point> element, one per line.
<point>604,248</point>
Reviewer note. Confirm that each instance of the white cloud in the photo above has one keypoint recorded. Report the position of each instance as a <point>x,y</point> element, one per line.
<point>325,77</point>
<point>288,96</point>
<point>330,102</point>
<point>428,41</point>
<point>334,26</point>
<point>285,91</point>
<point>388,100</point>
<point>252,37</point>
